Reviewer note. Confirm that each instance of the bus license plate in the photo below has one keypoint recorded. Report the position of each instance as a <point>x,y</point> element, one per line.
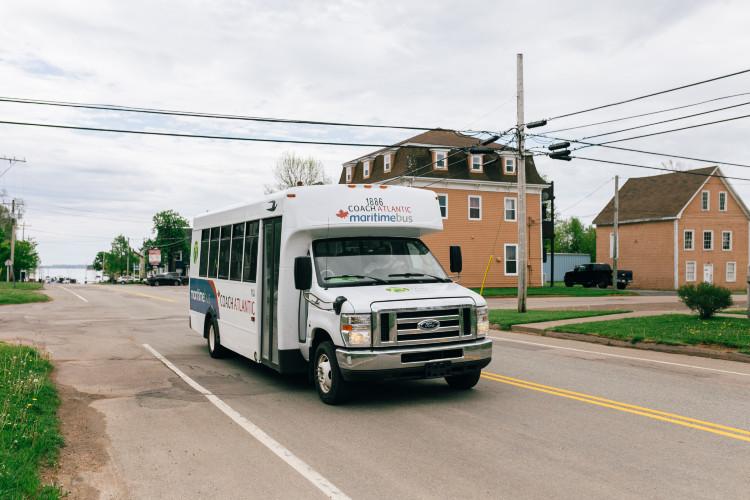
<point>437,369</point>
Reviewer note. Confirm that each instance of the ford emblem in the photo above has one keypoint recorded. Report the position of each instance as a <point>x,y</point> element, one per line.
<point>428,324</point>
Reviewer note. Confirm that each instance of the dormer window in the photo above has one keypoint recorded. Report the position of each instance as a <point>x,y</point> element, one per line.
<point>440,159</point>
<point>366,169</point>
<point>387,162</point>
<point>348,174</point>
<point>476,163</point>
<point>509,165</point>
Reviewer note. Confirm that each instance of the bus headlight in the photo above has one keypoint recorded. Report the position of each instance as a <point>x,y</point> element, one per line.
<point>355,329</point>
<point>483,321</point>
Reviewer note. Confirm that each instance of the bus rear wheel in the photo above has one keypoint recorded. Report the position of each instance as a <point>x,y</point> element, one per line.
<point>213,340</point>
<point>330,384</point>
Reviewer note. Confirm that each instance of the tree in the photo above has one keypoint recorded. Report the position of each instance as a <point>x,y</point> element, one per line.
<point>99,261</point>
<point>571,236</point>
<point>116,260</point>
<point>26,257</point>
<point>172,235</point>
<point>291,169</point>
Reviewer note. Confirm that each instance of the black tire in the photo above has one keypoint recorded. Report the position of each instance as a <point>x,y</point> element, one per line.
<point>156,283</point>
<point>213,340</point>
<point>569,284</point>
<point>603,284</point>
<point>330,384</point>
<point>621,286</point>
<point>176,283</point>
<point>464,381</point>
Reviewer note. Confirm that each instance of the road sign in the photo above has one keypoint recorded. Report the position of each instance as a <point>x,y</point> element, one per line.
<point>8,263</point>
<point>154,256</point>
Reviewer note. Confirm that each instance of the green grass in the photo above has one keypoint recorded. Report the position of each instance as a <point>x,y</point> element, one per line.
<point>505,318</point>
<point>29,429</point>
<point>559,290</point>
<point>23,293</point>
<point>672,329</point>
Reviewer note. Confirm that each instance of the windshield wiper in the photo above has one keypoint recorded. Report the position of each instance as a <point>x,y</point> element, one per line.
<point>358,276</point>
<point>415,275</point>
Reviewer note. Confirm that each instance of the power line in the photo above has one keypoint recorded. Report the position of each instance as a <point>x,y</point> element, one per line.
<point>642,151</point>
<point>697,125</point>
<point>586,196</point>
<point>623,118</point>
<point>197,136</point>
<point>659,168</point>
<point>667,121</point>
<point>632,99</point>
<point>196,114</point>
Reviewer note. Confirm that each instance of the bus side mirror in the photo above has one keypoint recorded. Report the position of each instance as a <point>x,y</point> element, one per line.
<point>302,273</point>
<point>456,261</point>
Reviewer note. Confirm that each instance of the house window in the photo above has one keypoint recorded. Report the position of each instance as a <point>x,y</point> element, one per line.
<point>726,240</point>
<point>476,163</point>
<point>690,270</point>
<point>475,208</point>
<point>443,203</point>
<point>708,240</point>
<point>510,209</point>
<point>366,169</point>
<point>723,201</point>
<point>348,174</point>
<point>688,239</point>
<point>387,162</point>
<point>510,165</point>
<point>731,274</point>
<point>441,160</point>
<point>511,259</point>
<point>705,200</point>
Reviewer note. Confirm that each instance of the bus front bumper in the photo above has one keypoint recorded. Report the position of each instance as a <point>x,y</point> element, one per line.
<point>415,362</point>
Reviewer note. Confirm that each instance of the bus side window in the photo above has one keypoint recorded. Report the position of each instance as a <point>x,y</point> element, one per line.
<point>203,268</point>
<point>235,260</point>
<point>226,238</point>
<point>213,252</point>
<point>250,264</point>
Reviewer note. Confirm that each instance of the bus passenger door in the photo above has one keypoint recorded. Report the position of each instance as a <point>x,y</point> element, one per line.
<point>269,294</point>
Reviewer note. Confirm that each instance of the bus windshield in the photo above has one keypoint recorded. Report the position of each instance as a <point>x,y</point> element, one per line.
<point>374,261</point>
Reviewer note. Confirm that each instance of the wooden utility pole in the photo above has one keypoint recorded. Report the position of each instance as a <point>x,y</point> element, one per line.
<point>615,237</point>
<point>521,173</point>
<point>11,271</point>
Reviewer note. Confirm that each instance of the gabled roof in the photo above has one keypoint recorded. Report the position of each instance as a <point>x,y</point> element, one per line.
<point>657,197</point>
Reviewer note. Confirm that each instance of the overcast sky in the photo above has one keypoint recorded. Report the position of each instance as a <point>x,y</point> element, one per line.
<point>429,63</point>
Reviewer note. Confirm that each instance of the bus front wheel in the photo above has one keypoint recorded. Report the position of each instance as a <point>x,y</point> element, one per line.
<point>330,384</point>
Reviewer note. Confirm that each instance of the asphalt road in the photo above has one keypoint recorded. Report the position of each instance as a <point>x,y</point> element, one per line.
<point>550,418</point>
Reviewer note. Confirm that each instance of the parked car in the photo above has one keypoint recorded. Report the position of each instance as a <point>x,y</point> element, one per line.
<point>185,279</point>
<point>165,279</point>
<point>597,274</point>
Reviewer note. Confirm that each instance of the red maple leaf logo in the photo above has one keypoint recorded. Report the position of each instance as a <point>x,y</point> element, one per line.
<point>342,214</point>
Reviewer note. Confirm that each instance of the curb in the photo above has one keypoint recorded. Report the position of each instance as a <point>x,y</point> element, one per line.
<point>704,352</point>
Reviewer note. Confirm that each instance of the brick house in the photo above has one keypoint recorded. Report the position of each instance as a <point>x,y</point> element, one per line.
<point>678,228</point>
<point>477,195</point>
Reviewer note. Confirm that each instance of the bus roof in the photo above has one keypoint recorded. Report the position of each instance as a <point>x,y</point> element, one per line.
<point>338,206</point>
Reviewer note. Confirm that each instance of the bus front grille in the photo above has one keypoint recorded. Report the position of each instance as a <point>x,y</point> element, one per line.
<point>424,326</point>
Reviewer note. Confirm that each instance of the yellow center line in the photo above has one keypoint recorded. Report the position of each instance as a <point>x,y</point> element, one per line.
<point>731,432</point>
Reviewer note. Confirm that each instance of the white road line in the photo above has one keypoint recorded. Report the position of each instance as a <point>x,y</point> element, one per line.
<point>277,448</point>
<point>622,356</point>
<point>71,291</point>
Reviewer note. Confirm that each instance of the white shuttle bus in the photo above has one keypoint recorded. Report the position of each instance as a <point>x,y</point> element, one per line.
<point>334,281</point>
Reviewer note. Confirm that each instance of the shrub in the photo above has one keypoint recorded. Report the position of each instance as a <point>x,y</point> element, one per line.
<point>705,298</point>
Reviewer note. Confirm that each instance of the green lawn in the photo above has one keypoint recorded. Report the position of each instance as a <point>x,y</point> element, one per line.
<point>559,290</point>
<point>22,293</point>
<point>672,329</point>
<point>505,318</point>
<point>29,428</point>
